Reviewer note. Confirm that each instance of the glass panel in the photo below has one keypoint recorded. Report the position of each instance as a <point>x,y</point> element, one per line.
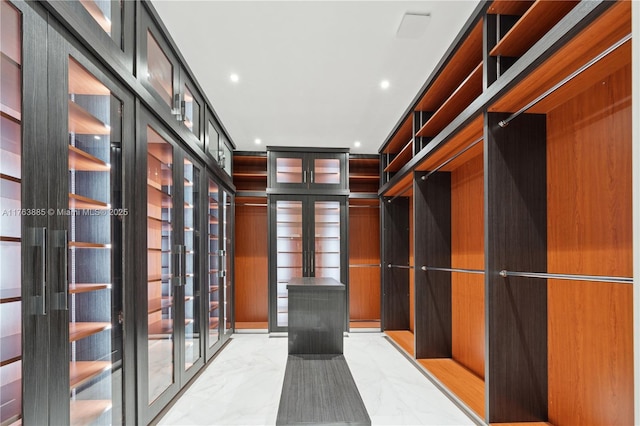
<point>289,170</point>
<point>95,245</point>
<point>159,255</point>
<point>326,170</point>
<point>192,112</point>
<point>213,141</point>
<point>227,278</point>
<point>327,239</point>
<point>214,264</point>
<point>159,70</point>
<point>288,253</point>
<point>10,223</point>
<point>191,243</point>
<point>225,157</point>
<point>108,15</point>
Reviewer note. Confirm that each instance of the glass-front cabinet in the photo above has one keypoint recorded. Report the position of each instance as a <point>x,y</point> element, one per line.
<point>307,239</point>
<point>295,170</point>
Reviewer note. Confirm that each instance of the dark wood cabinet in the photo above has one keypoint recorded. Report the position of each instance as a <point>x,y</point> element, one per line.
<point>294,170</point>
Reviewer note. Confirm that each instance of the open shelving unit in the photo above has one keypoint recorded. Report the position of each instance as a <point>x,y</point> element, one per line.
<point>213,246</point>
<point>10,226</point>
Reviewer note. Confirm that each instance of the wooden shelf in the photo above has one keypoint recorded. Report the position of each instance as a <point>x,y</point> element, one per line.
<point>157,304</point>
<point>535,23</point>
<point>214,322</point>
<point>161,150</point>
<point>163,328</point>
<point>10,349</point>
<point>80,330</point>
<point>213,306</point>
<point>85,288</point>
<point>404,338</point>
<point>399,140</point>
<point>84,245</point>
<point>371,177</point>
<point>82,161</point>
<point>81,372</point>
<point>11,402</point>
<point>10,178</point>
<point>509,7</point>
<point>79,202</point>
<point>85,412</point>
<point>611,27</point>
<point>469,90</point>
<point>10,239</point>
<point>10,113</point>
<point>9,295</point>
<point>83,123</point>
<point>213,288</point>
<point>460,381</point>
<point>159,198</point>
<point>459,67</point>
<point>401,159</point>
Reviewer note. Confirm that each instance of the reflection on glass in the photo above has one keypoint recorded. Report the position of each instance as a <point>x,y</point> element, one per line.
<point>214,264</point>
<point>159,250</point>
<point>191,112</point>
<point>225,159</point>
<point>10,226</point>
<point>288,170</point>
<point>159,70</point>
<point>107,14</point>
<point>327,239</point>
<point>288,253</point>
<point>226,277</point>
<point>191,243</point>
<point>213,141</point>
<point>95,247</point>
<point>327,170</point>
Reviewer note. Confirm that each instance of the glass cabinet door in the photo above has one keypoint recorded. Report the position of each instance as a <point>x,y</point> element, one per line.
<point>327,228</point>
<point>108,15</point>
<point>290,253</point>
<point>94,238</point>
<point>160,283</point>
<point>10,223</point>
<point>289,170</point>
<point>160,73</point>
<point>191,256</point>
<point>227,256</point>
<point>213,279</point>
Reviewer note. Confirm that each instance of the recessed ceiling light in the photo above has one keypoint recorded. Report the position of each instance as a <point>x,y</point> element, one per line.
<point>234,77</point>
<point>258,141</point>
<point>384,84</point>
<point>357,144</point>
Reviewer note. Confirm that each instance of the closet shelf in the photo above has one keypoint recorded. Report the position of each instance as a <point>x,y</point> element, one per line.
<point>404,338</point>
<point>79,202</point>
<point>10,113</point>
<point>85,412</point>
<point>10,239</point>
<point>460,381</point>
<point>80,330</point>
<point>468,90</point>
<point>85,245</point>
<point>83,83</point>
<point>401,137</point>
<point>10,178</point>
<point>213,288</point>
<point>157,304</point>
<point>214,322</point>
<point>213,306</point>
<point>83,123</point>
<point>10,349</point>
<point>81,372</point>
<point>535,23</point>
<point>401,159</point>
<point>163,328</point>
<point>9,295</point>
<point>509,7</point>
<point>85,288</point>
<point>11,400</point>
<point>80,160</point>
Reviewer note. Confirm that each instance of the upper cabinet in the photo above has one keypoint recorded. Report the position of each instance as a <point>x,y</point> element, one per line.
<point>292,170</point>
<point>217,146</point>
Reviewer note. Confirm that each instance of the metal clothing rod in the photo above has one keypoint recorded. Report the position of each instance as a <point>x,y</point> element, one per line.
<point>506,121</point>
<point>400,193</point>
<point>466,271</point>
<point>471,145</point>
<point>399,266</point>
<point>596,278</point>
<point>372,265</point>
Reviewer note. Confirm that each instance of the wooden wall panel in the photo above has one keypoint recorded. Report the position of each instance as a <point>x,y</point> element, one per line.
<point>467,251</point>
<point>364,249</point>
<point>589,232</point>
<point>251,271</point>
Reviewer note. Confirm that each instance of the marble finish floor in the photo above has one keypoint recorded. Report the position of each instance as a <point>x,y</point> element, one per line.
<point>242,385</point>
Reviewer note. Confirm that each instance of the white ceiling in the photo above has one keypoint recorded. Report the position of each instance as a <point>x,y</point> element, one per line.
<point>310,71</point>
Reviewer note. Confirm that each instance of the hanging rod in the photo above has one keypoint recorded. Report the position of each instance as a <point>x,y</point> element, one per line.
<point>363,265</point>
<point>466,271</point>
<point>506,121</point>
<point>471,145</point>
<point>596,278</point>
<point>399,194</point>
<point>399,266</point>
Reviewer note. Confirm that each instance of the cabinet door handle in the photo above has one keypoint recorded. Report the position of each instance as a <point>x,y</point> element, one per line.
<point>177,261</point>
<point>62,242</point>
<point>311,178</point>
<point>312,256</point>
<point>304,177</point>
<point>38,240</point>
<point>183,269</point>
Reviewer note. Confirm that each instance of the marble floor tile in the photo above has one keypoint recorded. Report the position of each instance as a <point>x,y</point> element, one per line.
<point>243,383</point>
